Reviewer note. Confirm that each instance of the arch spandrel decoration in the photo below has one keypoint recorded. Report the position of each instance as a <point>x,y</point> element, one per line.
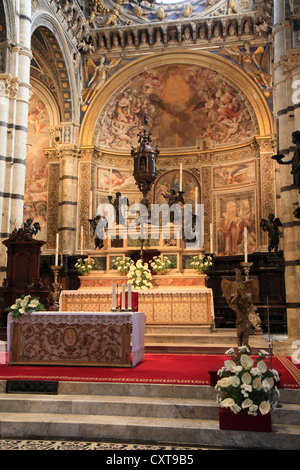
<point>251,102</point>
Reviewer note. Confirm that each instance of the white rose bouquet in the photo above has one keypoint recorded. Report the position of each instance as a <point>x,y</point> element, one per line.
<point>139,276</point>
<point>201,263</point>
<point>84,266</point>
<point>160,265</point>
<point>245,385</point>
<point>123,264</point>
<point>26,305</point>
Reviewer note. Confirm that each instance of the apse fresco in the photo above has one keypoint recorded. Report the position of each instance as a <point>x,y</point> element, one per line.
<point>36,176</point>
<point>188,106</point>
<point>228,176</point>
<point>234,213</point>
<point>170,181</point>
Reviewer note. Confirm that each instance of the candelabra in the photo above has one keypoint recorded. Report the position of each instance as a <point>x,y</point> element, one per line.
<point>56,289</point>
<point>246,268</point>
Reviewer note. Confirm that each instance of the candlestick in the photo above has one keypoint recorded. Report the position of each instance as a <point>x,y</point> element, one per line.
<point>81,240</point>
<point>129,297</point>
<point>245,245</point>
<point>211,239</point>
<point>180,178</point>
<point>114,298</point>
<point>123,297</point>
<point>56,250</point>
<point>56,288</point>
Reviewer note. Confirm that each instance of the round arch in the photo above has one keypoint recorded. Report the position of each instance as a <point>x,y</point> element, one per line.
<point>54,35</point>
<point>216,63</point>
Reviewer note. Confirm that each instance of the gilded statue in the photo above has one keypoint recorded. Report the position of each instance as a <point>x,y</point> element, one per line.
<point>99,75</point>
<point>240,296</point>
<point>253,62</point>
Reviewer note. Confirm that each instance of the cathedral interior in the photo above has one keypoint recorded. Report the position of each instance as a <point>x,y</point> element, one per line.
<point>219,81</point>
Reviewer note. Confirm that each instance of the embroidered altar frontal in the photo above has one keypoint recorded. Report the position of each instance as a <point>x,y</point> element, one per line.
<point>85,339</point>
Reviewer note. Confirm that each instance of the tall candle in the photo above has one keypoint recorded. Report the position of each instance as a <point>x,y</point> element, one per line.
<point>245,245</point>
<point>129,297</point>
<point>123,297</point>
<point>211,239</point>
<point>114,298</point>
<point>91,205</point>
<point>196,200</point>
<point>180,178</point>
<point>56,249</point>
<point>81,240</point>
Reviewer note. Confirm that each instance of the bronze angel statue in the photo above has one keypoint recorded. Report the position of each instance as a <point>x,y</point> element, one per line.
<point>272,227</point>
<point>240,296</point>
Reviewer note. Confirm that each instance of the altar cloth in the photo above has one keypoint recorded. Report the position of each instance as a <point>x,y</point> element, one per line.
<point>76,338</point>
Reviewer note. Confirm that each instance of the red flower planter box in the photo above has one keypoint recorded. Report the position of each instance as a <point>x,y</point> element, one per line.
<point>244,422</point>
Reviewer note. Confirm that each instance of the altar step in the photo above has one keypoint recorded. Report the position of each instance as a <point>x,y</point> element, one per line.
<point>195,339</point>
<point>142,413</point>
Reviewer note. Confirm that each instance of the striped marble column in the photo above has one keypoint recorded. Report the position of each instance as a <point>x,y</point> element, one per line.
<point>287,70</point>
<point>68,191</point>
<point>14,94</point>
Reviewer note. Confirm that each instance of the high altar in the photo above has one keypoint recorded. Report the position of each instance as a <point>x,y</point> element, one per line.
<point>179,297</point>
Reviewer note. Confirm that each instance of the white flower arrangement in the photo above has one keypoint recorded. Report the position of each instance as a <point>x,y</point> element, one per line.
<point>246,386</point>
<point>139,276</point>
<point>160,265</point>
<point>25,305</point>
<point>201,263</point>
<point>84,266</point>
<point>123,264</point>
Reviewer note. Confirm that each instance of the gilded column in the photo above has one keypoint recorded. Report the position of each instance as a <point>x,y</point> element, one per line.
<point>286,72</point>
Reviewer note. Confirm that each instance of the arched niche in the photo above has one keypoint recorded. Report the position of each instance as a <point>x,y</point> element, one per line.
<point>234,76</point>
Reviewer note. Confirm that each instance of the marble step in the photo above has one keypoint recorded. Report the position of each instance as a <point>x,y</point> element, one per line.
<point>141,429</point>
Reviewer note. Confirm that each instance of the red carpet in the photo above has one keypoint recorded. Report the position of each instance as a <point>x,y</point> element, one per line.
<point>184,369</point>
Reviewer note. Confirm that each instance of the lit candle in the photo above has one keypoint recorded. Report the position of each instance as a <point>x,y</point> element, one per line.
<point>129,297</point>
<point>180,179</point>
<point>56,250</point>
<point>123,297</point>
<point>245,245</point>
<point>211,239</point>
<point>81,240</point>
<point>110,182</point>
<point>114,298</point>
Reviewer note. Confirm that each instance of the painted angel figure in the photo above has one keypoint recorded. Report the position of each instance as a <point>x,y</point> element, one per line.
<point>99,75</point>
<point>253,62</point>
<point>272,227</point>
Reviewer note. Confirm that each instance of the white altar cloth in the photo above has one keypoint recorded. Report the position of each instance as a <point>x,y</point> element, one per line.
<point>137,319</point>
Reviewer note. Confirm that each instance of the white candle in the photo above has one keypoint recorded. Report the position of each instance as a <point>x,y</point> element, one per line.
<point>114,298</point>
<point>245,245</point>
<point>180,179</point>
<point>56,250</point>
<point>110,182</point>
<point>211,239</point>
<point>123,297</point>
<point>129,297</point>
<point>196,200</point>
<point>81,240</point>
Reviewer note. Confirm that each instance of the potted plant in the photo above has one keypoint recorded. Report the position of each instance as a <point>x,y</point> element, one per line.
<point>201,263</point>
<point>25,305</point>
<point>123,264</point>
<point>139,276</point>
<point>160,266</point>
<point>246,391</point>
<point>84,266</point>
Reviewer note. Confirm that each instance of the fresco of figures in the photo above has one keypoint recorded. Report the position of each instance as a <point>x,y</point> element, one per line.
<point>188,106</point>
<point>36,175</point>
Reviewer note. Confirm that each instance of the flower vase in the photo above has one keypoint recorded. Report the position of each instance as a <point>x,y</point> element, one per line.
<point>242,421</point>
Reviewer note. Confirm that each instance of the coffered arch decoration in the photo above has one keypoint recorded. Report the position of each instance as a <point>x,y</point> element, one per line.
<point>53,66</point>
<point>194,101</point>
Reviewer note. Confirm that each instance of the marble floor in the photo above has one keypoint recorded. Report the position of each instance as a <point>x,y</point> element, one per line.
<point>37,444</point>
